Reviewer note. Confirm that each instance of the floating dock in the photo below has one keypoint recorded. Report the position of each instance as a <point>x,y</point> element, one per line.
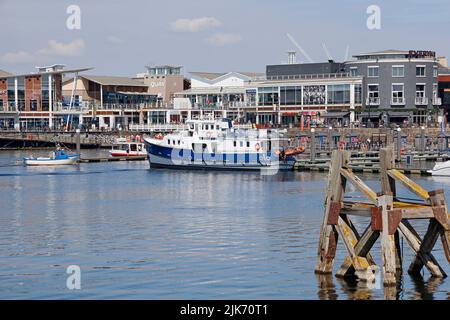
<point>112,159</point>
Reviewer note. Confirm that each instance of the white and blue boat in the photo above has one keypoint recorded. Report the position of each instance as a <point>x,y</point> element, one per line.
<point>57,157</point>
<point>216,144</point>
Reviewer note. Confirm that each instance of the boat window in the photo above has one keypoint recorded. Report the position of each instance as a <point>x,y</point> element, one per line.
<point>241,143</point>
<point>248,144</point>
<point>173,142</point>
<point>133,147</point>
<point>217,127</point>
<point>168,141</point>
<point>179,142</point>
<point>234,143</point>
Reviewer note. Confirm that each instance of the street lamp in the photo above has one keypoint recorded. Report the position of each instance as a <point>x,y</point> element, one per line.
<point>399,144</point>
<point>313,144</point>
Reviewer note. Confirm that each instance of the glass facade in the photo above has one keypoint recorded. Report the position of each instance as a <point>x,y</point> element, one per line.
<point>268,96</point>
<point>45,93</point>
<point>290,95</point>
<point>338,94</point>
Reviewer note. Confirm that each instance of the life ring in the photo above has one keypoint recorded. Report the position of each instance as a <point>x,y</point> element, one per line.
<point>257,146</point>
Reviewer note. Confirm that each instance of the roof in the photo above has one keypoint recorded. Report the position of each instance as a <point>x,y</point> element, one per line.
<point>215,75</point>
<point>46,73</point>
<point>4,73</point>
<point>383,52</point>
<point>114,81</point>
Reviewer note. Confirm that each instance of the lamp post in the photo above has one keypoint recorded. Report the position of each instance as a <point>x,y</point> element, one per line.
<point>422,138</point>
<point>77,140</point>
<point>399,144</point>
<point>330,138</point>
<point>313,144</point>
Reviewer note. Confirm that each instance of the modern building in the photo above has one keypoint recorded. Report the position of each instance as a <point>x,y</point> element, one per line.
<point>34,100</point>
<point>288,94</point>
<point>106,101</point>
<point>163,81</point>
<point>398,86</point>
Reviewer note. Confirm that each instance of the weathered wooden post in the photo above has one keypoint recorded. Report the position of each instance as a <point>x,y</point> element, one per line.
<point>334,196</point>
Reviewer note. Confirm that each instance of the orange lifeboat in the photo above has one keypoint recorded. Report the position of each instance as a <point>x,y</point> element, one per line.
<point>292,151</point>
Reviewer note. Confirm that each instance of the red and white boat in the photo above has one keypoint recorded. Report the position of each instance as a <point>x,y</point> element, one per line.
<point>128,148</point>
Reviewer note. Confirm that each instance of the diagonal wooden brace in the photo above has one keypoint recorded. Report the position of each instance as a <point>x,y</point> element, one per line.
<point>361,249</point>
<point>424,256</point>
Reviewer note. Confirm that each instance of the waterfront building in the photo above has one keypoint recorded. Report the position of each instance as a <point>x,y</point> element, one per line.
<point>398,86</point>
<point>107,102</point>
<point>290,94</point>
<point>34,100</point>
<point>163,81</point>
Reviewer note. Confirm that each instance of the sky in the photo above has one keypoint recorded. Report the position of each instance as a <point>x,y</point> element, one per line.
<point>121,37</point>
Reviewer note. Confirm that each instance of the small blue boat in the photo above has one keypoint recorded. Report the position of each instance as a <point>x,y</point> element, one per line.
<point>58,157</point>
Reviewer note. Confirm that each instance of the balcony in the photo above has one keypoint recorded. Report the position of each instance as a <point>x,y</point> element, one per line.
<point>396,101</point>
<point>437,101</point>
<point>373,101</point>
<point>421,101</point>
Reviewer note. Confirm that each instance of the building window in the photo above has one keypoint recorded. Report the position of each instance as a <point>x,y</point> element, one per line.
<point>373,94</point>
<point>420,95</point>
<point>435,72</point>
<point>313,95</point>
<point>398,96</point>
<point>268,96</point>
<point>420,71</point>
<point>372,72</point>
<point>398,71</point>
<point>358,93</point>
<point>338,94</point>
<point>290,95</point>
<point>353,71</point>
<point>435,93</point>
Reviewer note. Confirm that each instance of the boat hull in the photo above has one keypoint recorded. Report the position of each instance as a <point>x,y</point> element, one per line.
<point>50,162</point>
<point>125,154</point>
<point>441,169</point>
<point>161,157</point>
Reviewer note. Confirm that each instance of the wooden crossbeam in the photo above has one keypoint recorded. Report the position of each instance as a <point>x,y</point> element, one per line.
<point>408,183</point>
<point>359,184</point>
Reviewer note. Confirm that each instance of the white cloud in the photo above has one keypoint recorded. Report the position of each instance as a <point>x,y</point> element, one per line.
<point>71,49</point>
<point>223,39</point>
<point>16,57</point>
<point>195,25</point>
<point>114,39</point>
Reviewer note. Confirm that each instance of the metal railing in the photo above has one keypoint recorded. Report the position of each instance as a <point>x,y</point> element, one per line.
<point>421,101</point>
<point>398,101</point>
<point>373,101</point>
<point>437,101</point>
<point>340,75</point>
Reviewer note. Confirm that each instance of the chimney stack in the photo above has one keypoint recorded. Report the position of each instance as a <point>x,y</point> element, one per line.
<point>291,57</point>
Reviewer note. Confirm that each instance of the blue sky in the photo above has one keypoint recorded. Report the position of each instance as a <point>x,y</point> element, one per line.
<point>120,37</point>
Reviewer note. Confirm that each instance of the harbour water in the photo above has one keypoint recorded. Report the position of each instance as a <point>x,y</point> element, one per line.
<point>137,233</point>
